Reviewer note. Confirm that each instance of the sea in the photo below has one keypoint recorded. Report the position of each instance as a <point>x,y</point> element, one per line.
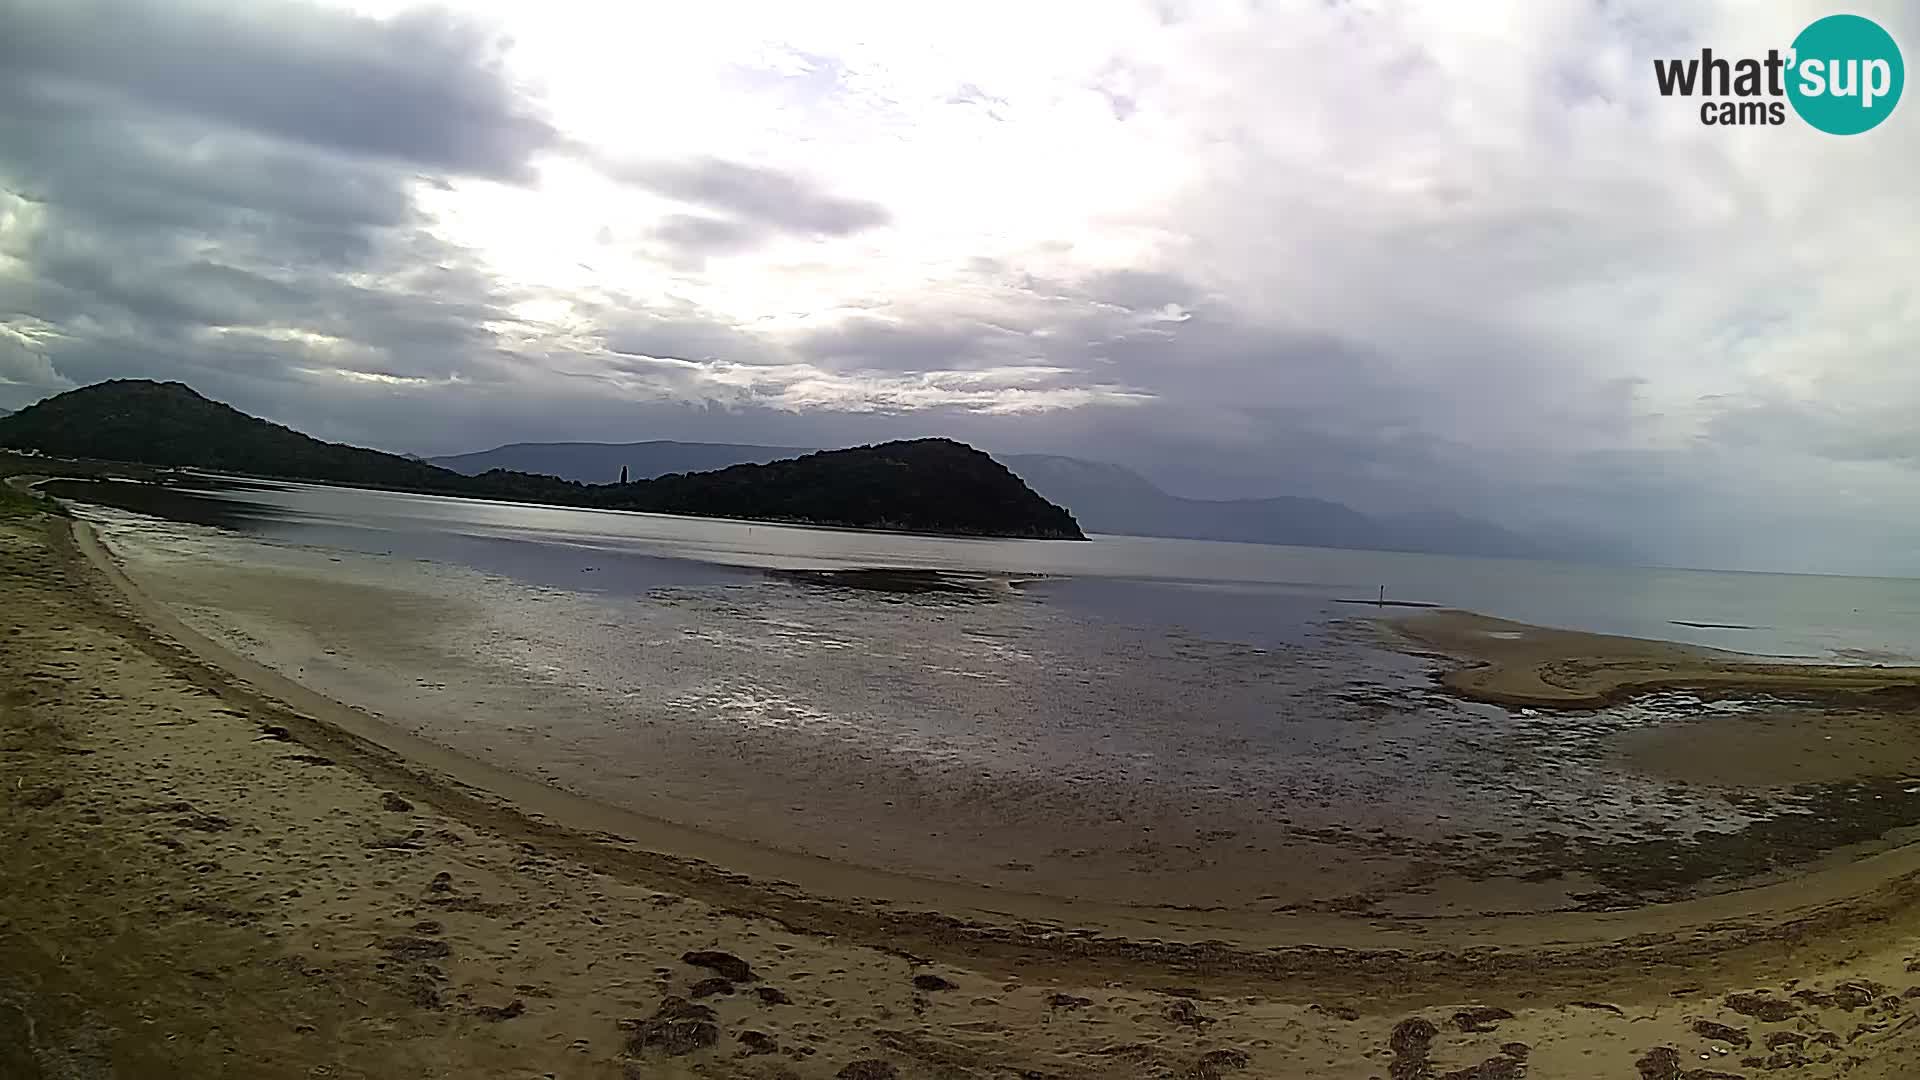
<point>1257,591</point>
<point>1123,717</point>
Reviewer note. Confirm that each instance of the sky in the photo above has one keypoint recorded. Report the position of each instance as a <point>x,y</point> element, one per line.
<point>1406,255</point>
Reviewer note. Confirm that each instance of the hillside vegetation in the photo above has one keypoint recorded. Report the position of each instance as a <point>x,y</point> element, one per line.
<point>920,485</point>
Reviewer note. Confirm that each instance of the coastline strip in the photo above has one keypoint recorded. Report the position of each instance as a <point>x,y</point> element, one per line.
<point>980,925</point>
<point>1515,664</point>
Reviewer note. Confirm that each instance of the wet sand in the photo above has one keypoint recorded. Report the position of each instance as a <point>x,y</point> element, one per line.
<point>1780,749</point>
<point>1511,663</point>
<point>1028,757</point>
<point>207,872</point>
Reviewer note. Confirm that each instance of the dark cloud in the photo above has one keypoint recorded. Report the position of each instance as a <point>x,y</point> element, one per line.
<point>693,238</point>
<point>774,200</point>
<point>685,334</point>
<point>1137,290</point>
<point>1122,323</point>
<point>915,344</point>
<point>245,238</point>
<point>424,88</point>
<point>180,171</point>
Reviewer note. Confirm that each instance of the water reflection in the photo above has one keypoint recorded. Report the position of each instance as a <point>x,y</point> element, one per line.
<point>175,503</point>
<point>1262,590</point>
<point>900,582</point>
<point>1086,731</point>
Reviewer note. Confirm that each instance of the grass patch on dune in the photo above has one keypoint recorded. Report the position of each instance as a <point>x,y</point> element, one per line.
<point>19,504</point>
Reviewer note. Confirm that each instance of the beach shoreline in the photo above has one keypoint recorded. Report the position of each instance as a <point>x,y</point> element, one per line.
<point>822,892</point>
<point>1861,913</point>
<point>1501,662</point>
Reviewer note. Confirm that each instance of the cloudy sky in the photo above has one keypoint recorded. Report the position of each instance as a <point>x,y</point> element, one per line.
<point>1404,253</point>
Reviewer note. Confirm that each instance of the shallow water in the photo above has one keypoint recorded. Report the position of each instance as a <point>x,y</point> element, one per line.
<point>1150,721</point>
<point>1238,590</point>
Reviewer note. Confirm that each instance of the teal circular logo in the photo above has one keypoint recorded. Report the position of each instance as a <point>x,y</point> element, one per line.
<point>1846,74</point>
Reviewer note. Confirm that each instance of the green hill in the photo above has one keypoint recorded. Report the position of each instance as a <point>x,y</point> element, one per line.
<point>924,485</point>
<point>153,423</point>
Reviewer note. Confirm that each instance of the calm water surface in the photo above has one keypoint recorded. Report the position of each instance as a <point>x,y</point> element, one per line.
<point>1254,592</point>
<point>1104,719</point>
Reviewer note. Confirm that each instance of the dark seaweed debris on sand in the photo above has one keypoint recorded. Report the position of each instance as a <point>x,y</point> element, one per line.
<point>1411,1041</point>
<point>677,1027</point>
<point>1825,818</point>
<point>725,965</point>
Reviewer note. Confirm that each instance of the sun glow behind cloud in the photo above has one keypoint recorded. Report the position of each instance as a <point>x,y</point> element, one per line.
<point>985,146</point>
<point>984,134</point>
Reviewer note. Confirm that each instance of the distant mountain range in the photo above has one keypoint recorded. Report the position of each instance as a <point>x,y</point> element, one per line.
<point>1103,497</point>
<point>922,485</point>
<point>919,485</point>
<point>1108,498</point>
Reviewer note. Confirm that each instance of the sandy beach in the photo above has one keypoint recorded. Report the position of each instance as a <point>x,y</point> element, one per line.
<point>211,870</point>
<point>1515,664</point>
